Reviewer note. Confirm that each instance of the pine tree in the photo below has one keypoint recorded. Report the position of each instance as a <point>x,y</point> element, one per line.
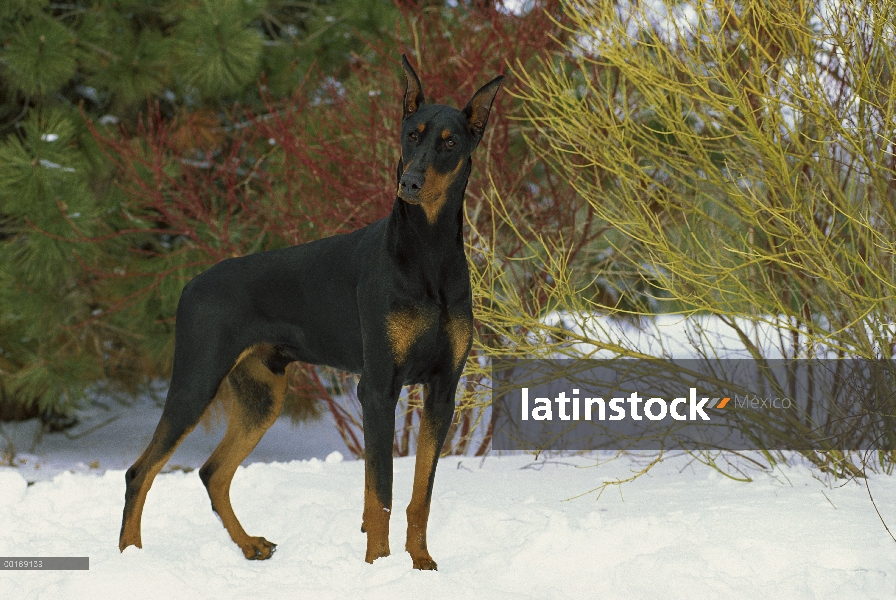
<point>63,65</point>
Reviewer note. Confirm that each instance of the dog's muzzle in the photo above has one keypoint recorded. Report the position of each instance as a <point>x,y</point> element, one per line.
<point>409,187</point>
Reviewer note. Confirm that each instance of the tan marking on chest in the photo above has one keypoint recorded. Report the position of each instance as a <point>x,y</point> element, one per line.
<point>435,191</point>
<point>404,328</point>
<point>460,334</point>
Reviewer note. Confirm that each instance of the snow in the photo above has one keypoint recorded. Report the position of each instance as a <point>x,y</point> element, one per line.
<point>674,336</point>
<point>503,527</point>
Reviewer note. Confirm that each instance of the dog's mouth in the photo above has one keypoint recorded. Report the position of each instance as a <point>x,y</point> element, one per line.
<point>410,199</point>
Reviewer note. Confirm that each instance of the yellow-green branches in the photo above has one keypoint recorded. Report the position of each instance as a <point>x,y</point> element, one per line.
<point>746,152</point>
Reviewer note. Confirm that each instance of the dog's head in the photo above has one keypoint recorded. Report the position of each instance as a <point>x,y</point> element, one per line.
<point>437,141</point>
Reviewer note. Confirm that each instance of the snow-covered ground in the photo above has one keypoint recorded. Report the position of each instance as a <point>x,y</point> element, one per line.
<point>500,527</point>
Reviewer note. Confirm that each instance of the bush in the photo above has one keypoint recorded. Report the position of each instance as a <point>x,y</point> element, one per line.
<point>744,153</point>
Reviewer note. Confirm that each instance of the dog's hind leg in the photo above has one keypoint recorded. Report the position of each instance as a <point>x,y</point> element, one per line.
<point>257,395</point>
<point>183,409</point>
<point>438,410</point>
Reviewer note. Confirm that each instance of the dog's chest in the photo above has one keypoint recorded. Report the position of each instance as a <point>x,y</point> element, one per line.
<point>425,337</point>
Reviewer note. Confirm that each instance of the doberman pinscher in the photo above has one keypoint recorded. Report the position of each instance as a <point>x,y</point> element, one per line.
<point>390,302</point>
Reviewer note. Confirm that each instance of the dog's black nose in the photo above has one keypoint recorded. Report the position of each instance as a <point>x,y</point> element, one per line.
<point>411,183</point>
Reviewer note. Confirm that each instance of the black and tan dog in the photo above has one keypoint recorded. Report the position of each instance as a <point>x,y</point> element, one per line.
<point>390,302</point>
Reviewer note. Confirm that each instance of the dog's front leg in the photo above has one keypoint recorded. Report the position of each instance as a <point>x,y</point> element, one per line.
<point>378,407</point>
<point>438,410</point>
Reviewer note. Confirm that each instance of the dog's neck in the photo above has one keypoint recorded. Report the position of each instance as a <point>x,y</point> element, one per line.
<point>433,229</point>
<point>425,244</point>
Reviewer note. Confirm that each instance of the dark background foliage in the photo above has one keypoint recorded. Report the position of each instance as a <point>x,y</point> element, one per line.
<point>143,142</point>
<point>67,66</point>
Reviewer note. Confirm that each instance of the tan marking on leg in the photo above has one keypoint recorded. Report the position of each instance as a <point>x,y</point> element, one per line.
<point>403,328</point>
<point>376,522</point>
<point>434,192</point>
<point>256,367</point>
<point>460,334</point>
<point>133,510</point>
<point>244,430</point>
<point>418,509</point>
<point>220,406</point>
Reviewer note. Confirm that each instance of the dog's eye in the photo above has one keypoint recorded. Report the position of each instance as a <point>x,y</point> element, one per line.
<point>413,136</point>
<point>450,144</point>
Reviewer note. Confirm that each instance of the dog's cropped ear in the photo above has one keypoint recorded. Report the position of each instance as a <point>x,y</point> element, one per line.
<point>480,104</point>
<point>413,92</point>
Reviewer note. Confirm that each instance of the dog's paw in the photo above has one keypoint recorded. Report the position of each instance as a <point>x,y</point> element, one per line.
<point>258,548</point>
<point>129,540</point>
<point>374,553</point>
<point>123,545</point>
<point>425,563</point>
